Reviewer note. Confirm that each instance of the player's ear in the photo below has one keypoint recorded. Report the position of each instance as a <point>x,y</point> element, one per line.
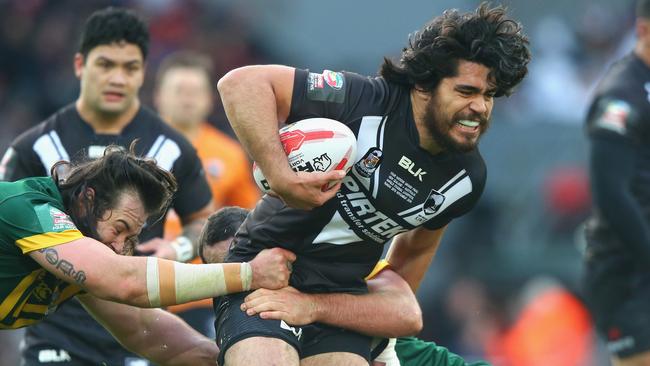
<point>85,200</point>
<point>79,61</point>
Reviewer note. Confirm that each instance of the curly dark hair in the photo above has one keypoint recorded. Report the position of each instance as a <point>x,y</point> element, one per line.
<point>117,171</point>
<point>111,25</point>
<point>486,36</point>
<point>220,226</point>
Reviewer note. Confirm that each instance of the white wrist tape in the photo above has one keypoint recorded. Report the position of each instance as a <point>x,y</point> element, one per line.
<point>171,283</point>
<point>184,248</point>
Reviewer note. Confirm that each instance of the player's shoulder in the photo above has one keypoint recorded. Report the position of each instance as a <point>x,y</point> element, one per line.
<point>472,161</point>
<point>627,80</point>
<point>53,122</point>
<point>27,192</point>
<point>148,122</point>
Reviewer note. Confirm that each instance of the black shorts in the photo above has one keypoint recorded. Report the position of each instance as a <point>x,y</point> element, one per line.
<point>48,355</point>
<point>617,293</point>
<point>233,325</point>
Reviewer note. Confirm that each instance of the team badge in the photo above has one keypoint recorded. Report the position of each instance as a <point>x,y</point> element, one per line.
<point>614,116</point>
<point>333,79</point>
<point>369,163</point>
<point>433,202</point>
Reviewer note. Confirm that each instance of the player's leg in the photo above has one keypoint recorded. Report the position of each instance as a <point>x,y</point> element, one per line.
<point>618,295</point>
<point>326,345</point>
<point>334,359</point>
<point>249,340</point>
<point>261,351</point>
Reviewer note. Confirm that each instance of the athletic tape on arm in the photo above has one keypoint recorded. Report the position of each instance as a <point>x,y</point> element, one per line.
<point>171,283</point>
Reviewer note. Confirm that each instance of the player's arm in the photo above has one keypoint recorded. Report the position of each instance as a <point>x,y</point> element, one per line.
<point>153,333</point>
<point>612,168</point>
<point>257,99</point>
<point>155,282</point>
<point>390,309</point>
<point>411,253</point>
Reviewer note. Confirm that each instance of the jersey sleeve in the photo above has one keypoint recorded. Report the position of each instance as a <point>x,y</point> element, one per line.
<point>193,190</point>
<point>342,96</point>
<point>35,223</point>
<point>615,118</point>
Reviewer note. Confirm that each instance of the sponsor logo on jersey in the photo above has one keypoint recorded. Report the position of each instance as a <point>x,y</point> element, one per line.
<point>364,217</point>
<point>315,81</point>
<point>369,163</point>
<point>621,344</point>
<point>433,202</point>
<point>614,116</point>
<point>407,164</point>
<point>333,79</point>
<point>60,220</point>
<point>53,355</point>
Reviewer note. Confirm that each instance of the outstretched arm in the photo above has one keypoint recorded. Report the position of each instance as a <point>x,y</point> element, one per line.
<point>389,310</point>
<point>155,282</point>
<point>153,333</point>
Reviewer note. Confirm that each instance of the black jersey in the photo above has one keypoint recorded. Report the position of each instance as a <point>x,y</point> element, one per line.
<point>65,136</point>
<point>618,126</point>
<point>394,186</point>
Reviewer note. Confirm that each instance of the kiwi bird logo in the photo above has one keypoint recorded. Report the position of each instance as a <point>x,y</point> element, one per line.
<point>321,163</point>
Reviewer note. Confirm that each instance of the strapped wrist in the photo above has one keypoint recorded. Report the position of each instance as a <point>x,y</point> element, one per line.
<point>184,248</point>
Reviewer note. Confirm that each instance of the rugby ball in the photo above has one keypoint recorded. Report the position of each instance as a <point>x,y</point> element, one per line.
<point>315,145</point>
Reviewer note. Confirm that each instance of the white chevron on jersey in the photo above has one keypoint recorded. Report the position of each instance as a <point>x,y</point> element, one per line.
<point>457,191</point>
<point>165,151</point>
<point>337,231</point>
<point>366,140</point>
<point>375,187</point>
<point>50,150</point>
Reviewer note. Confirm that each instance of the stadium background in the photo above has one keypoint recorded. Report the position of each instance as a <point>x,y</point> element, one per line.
<point>515,247</point>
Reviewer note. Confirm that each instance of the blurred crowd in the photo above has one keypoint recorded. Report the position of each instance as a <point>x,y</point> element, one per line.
<point>506,271</point>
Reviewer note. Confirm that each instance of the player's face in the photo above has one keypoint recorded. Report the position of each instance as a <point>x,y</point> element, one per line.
<point>119,227</point>
<point>459,110</point>
<point>111,76</point>
<point>184,96</point>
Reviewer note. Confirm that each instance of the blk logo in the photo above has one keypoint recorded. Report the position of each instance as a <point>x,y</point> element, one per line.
<point>407,164</point>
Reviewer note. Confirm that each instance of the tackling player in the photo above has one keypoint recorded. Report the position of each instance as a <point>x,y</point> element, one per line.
<point>387,310</point>
<point>62,236</point>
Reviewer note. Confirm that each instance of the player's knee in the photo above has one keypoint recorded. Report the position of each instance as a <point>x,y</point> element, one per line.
<point>261,350</point>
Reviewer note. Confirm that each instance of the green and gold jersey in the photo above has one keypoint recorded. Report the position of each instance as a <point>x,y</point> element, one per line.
<point>31,218</point>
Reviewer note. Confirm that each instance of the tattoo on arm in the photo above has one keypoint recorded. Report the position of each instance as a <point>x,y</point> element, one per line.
<point>67,268</point>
